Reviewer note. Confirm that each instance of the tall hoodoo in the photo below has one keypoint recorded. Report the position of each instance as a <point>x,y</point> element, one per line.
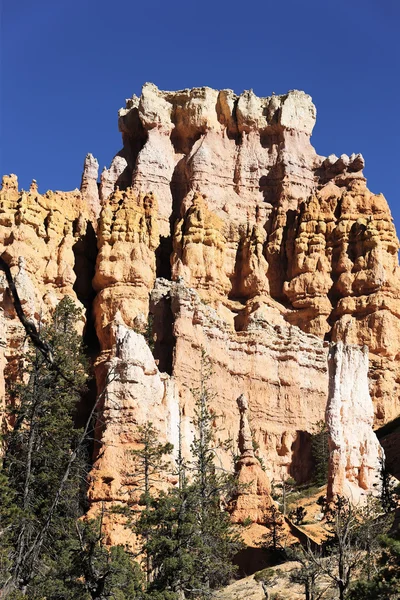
<point>254,497</point>
<point>89,186</point>
<point>355,453</point>
<point>245,440</point>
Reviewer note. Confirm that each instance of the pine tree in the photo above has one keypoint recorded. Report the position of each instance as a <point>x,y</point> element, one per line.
<point>320,453</point>
<point>389,490</point>
<point>104,572</point>
<point>86,569</point>
<point>149,463</point>
<point>149,459</point>
<point>46,551</point>
<point>216,541</point>
<point>275,538</point>
<point>38,452</point>
<point>190,539</point>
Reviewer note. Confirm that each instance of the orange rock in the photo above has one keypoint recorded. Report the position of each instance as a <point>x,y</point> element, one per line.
<point>254,496</point>
<point>271,250</point>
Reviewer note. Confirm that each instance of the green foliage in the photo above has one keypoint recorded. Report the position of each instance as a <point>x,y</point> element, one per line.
<point>385,584</point>
<point>389,490</point>
<point>41,483</point>
<point>307,574</point>
<point>189,538</point>
<point>282,490</point>
<point>102,572</point>
<point>190,551</point>
<point>149,459</point>
<point>320,454</point>
<point>275,538</point>
<point>351,549</point>
<point>9,514</point>
<point>298,515</point>
<point>85,569</point>
<point>264,575</point>
<point>149,462</point>
<point>149,332</point>
<point>46,551</point>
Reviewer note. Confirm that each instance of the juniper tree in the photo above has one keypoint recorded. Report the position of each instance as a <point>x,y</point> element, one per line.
<point>298,515</point>
<point>385,584</point>
<point>307,574</point>
<point>275,538</point>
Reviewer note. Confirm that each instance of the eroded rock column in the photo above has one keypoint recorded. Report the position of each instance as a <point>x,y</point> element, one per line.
<point>255,494</point>
<point>355,452</point>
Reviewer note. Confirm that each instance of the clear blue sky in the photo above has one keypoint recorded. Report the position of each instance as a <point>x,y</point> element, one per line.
<point>68,65</point>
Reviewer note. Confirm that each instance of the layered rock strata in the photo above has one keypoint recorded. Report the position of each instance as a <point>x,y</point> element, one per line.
<point>219,220</point>
<point>281,370</point>
<point>133,392</point>
<point>254,214</point>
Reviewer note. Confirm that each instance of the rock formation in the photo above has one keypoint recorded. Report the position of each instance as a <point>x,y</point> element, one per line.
<point>126,263</point>
<point>39,239</point>
<point>216,227</point>
<point>89,186</point>
<point>254,487</point>
<point>255,213</point>
<point>355,452</point>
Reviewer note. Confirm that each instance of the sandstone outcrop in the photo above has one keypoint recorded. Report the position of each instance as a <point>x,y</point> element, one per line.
<point>39,236</point>
<point>355,453</point>
<point>132,392</point>
<point>285,398</point>
<point>216,227</point>
<point>126,264</point>
<point>255,213</point>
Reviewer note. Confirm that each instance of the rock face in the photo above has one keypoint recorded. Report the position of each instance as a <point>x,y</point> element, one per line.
<point>133,392</point>
<point>42,238</point>
<point>126,263</point>
<point>355,452</point>
<point>288,393</point>
<point>252,212</point>
<point>216,227</point>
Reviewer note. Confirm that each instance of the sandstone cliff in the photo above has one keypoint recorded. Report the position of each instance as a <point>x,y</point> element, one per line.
<point>219,219</point>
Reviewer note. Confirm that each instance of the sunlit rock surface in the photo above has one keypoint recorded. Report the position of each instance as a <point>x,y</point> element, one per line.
<point>217,227</point>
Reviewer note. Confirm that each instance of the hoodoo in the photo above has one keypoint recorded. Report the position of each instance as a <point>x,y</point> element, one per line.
<point>218,228</point>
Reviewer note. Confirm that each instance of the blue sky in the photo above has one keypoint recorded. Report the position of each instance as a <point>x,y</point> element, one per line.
<point>67,66</point>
